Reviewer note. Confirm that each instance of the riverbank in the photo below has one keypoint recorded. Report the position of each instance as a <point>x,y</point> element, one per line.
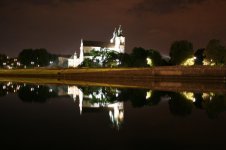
<point>157,78</point>
<point>172,73</point>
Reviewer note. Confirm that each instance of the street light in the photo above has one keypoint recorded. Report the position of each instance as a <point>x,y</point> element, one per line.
<point>32,63</point>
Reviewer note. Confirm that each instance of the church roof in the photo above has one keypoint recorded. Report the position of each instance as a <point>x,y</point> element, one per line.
<point>97,44</point>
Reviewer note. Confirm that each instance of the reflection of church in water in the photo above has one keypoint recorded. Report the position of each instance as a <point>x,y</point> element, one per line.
<point>107,99</point>
<point>115,109</point>
<point>90,99</point>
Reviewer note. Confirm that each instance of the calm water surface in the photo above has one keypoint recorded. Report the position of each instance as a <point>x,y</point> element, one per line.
<point>63,117</point>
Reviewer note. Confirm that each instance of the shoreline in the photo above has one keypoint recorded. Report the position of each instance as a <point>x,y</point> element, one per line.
<point>169,73</point>
<point>157,78</point>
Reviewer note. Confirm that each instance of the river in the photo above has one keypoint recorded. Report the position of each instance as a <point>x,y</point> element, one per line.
<point>91,117</point>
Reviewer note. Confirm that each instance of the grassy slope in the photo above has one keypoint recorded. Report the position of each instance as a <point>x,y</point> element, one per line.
<point>123,77</point>
<point>127,72</point>
<point>56,71</point>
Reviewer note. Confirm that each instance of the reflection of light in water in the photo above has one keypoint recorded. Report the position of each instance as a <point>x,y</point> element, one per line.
<point>4,87</point>
<point>117,92</point>
<point>148,94</point>
<point>90,96</point>
<point>9,83</point>
<point>74,91</point>
<point>18,87</point>
<point>117,113</point>
<point>50,90</point>
<point>116,110</point>
<point>208,96</point>
<point>205,96</point>
<point>189,96</point>
<point>97,95</point>
<point>32,89</point>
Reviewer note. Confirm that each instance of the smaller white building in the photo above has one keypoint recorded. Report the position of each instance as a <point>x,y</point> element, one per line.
<point>75,61</point>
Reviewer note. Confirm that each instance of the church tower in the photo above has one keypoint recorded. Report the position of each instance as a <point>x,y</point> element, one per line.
<point>81,55</point>
<point>119,40</point>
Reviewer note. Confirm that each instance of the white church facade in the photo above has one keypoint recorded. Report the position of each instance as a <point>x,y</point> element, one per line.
<point>117,44</point>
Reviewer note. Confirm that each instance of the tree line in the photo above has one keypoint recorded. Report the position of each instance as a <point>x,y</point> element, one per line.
<point>29,58</point>
<point>213,54</point>
<point>138,58</point>
<point>36,57</point>
<point>180,53</point>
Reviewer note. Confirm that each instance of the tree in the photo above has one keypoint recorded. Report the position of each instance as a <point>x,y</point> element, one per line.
<point>26,56</point>
<point>3,59</point>
<point>86,63</point>
<point>155,56</point>
<point>89,63</point>
<point>42,57</point>
<point>180,51</point>
<point>125,60</point>
<point>139,57</point>
<point>102,58</point>
<point>199,55</point>
<point>37,57</point>
<point>110,59</point>
<point>216,52</point>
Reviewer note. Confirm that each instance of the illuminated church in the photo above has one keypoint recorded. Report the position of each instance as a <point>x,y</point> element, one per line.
<point>117,44</point>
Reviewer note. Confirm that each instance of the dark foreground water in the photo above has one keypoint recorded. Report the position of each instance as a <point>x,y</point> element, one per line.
<point>74,117</point>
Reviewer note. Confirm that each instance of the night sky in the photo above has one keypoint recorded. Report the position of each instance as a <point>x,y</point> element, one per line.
<point>59,25</point>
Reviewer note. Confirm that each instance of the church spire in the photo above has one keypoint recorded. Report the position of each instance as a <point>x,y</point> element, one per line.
<point>114,35</point>
<point>120,31</point>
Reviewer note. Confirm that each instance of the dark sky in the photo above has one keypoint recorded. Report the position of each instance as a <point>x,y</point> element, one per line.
<point>59,25</point>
